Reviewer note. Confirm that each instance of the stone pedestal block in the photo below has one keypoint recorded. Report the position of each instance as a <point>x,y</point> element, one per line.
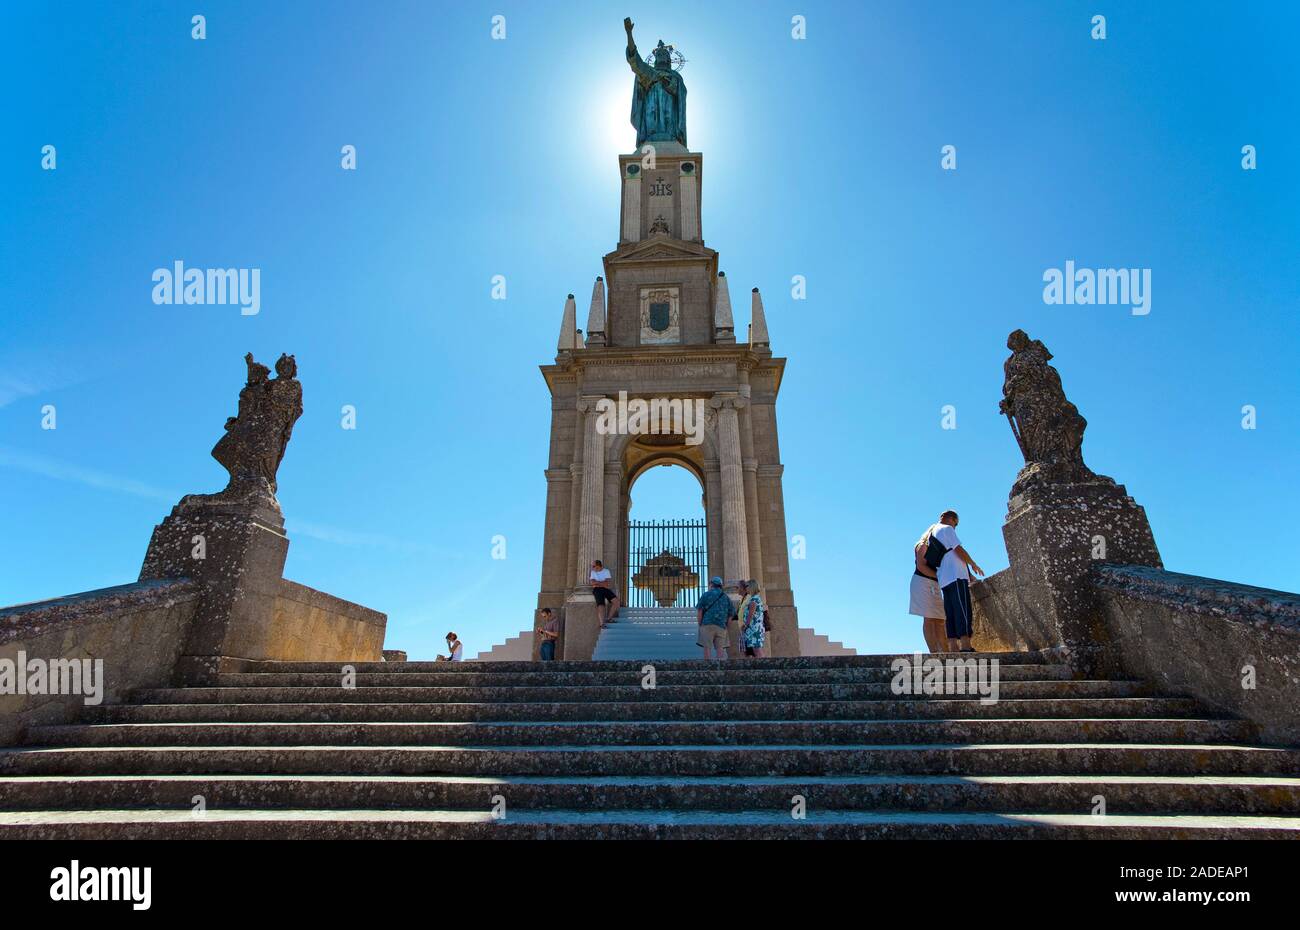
<point>783,638</point>
<point>237,555</point>
<point>1055,535</point>
<point>581,626</point>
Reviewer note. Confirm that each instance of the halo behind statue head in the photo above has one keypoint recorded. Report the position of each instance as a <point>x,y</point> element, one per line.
<point>676,60</point>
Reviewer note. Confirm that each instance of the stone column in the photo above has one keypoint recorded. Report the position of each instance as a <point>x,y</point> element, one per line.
<point>750,465</point>
<point>555,545</point>
<point>574,570</point>
<point>609,547</point>
<point>735,537</point>
<point>631,202</point>
<point>690,197</point>
<point>624,508</point>
<point>713,514</point>
<point>776,570</point>
<point>581,624</point>
<point>591,537</point>
<point>555,548</point>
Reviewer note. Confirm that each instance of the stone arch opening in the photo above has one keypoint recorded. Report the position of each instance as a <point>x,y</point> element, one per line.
<point>663,532</point>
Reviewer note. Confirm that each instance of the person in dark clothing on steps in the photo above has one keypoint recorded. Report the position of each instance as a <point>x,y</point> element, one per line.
<point>550,630</point>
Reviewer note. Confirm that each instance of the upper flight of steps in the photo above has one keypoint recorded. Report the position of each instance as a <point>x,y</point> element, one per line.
<point>650,633</point>
<point>671,633</point>
<point>582,749</point>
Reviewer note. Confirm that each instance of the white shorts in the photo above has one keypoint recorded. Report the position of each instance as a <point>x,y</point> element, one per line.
<point>927,599</point>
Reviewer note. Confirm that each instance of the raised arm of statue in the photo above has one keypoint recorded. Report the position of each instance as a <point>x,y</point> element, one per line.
<point>639,67</point>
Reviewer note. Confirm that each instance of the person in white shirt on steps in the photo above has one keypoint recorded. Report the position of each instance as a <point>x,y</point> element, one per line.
<point>455,647</point>
<point>954,582</point>
<point>606,599</point>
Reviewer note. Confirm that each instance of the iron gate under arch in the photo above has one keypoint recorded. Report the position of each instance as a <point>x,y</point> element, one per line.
<point>667,563</point>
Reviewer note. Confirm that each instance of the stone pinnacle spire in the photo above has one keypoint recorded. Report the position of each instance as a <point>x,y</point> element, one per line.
<point>724,327</point>
<point>757,321</point>
<point>596,316</point>
<point>567,335</point>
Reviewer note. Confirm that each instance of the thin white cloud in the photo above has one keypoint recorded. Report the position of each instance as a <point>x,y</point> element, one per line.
<point>19,380</point>
<point>12,388</point>
<point>62,471</point>
<point>342,537</point>
<point>77,474</point>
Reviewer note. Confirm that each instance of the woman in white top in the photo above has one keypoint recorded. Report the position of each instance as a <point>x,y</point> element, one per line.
<point>455,647</point>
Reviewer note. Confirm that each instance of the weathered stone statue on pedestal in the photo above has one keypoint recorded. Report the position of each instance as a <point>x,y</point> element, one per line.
<point>1062,518</point>
<point>1047,426</point>
<point>253,446</point>
<point>233,541</point>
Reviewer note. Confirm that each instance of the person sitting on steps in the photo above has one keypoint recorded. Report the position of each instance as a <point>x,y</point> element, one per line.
<point>606,599</point>
<point>455,647</point>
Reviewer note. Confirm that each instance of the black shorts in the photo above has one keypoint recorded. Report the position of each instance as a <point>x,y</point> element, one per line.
<point>957,610</point>
<point>603,595</point>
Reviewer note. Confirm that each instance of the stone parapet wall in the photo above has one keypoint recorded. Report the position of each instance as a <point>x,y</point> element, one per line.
<point>309,625</point>
<point>1202,637</point>
<point>138,630</point>
<point>1002,623</point>
<point>1187,635</point>
<point>998,620</point>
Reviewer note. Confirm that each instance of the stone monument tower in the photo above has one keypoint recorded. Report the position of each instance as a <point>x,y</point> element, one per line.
<point>660,337</point>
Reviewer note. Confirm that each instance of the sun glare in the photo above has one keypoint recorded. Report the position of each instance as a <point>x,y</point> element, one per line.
<point>613,129</point>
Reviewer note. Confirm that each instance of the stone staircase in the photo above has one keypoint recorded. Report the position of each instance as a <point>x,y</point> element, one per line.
<point>582,749</point>
<point>662,633</point>
<point>812,643</point>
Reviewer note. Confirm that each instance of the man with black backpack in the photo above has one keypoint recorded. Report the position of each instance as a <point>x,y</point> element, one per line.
<point>713,611</point>
<point>947,557</point>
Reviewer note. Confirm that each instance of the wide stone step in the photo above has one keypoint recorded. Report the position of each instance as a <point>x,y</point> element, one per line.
<point>865,661</point>
<point>646,733</point>
<point>637,623</point>
<point>648,648</point>
<point>647,652</point>
<point>915,759</point>
<point>631,676</point>
<point>622,627</point>
<point>929,709</point>
<point>673,623</point>
<point>619,693</point>
<point>1056,793</point>
<point>562,824</point>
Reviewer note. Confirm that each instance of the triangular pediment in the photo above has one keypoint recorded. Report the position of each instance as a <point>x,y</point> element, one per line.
<point>660,248</point>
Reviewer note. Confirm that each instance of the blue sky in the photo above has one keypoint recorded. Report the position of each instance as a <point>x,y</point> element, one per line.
<point>479,157</point>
